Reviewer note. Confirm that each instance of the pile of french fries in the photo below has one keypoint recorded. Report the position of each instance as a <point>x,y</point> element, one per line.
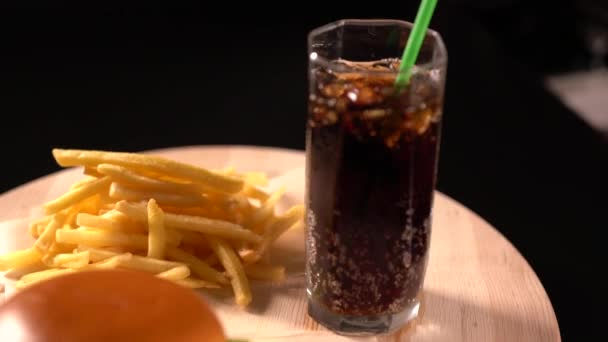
<point>198,227</point>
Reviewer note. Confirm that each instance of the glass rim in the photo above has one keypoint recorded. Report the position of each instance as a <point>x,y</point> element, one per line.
<point>440,62</point>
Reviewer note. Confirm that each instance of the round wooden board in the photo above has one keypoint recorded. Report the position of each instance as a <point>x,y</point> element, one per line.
<point>478,287</point>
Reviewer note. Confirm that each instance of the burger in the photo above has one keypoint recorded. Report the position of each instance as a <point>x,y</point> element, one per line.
<point>108,305</point>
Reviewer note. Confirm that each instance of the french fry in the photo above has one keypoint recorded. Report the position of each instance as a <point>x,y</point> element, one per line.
<point>57,247</point>
<point>92,172</point>
<point>284,222</point>
<point>197,266</point>
<point>102,238</point>
<point>121,192</point>
<point>116,215</point>
<point>151,163</point>
<point>234,268</point>
<point>176,273</point>
<point>196,283</point>
<point>150,214</point>
<point>135,262</point>
<point>274,229</point>
<point>266,211</point>
<point>76,195</point>
<point>47,238</point>
<point>228,170</point>
<point>92,204</point>
<point>253,192</point>
<point>256,178</point>
<point>70,215</point>
<point>138,181</point>
<point>194,223</point>
<point>237,206</point>
<point>37,226</point>
<point>96,254</point>
<point>36,277</point>
<point>210,212</point>
<point>20,259</point>
<point>71,260</point>
<point>81,182</point>
<point>111,262</point>
<point>279,226</point>
<point>106,223</point>
<point>157,235</point>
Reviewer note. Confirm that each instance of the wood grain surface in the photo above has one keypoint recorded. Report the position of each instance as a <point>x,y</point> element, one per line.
<point>478,287</point>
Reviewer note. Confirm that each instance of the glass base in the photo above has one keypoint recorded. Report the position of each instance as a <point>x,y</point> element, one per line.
<point>362,325</point>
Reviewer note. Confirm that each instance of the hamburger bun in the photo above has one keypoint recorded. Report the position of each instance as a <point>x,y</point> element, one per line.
<point>108,305</point>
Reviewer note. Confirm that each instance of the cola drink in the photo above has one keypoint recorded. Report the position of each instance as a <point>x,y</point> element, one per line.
<point>372,153</point>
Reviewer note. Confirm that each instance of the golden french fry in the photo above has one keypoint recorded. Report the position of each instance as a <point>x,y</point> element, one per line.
<point>92,204</point>
<point>137,181</point>
<point>71,260</point>
<point>92,172</point>
<point>20,259</point>
<point>194,223</point>
<point>111,262</point>
<point>47,259</point>
<point>106,223</point>
<point>47,238</point>
<point>210,212</point>
<point>157,235</point>
<point>135,262</point>
<point>150,265</point>
<point>121,192</point>
<point>274,229</point>
<point>234,268</point>
<point>36,277</point>
<point>265,272</point>
<point>236,204</point>
<point>250,256</point>
<point>96,254</point>
<point>197,266</point>
<point>70,215</point>
<point>151,214</point>
<point>37,226</point>
<point>292,216</point>
<point>81,182</point>
<point>266,211</point>
<point>102,238</point>
<point>176,273</point>
<point>196,283</point>
<point>151,163</point>
<point>228,170</point>
<point>104,210</point>
<point>76,195</point>
<point>279,226</point>
<point>256,178</point>
<point>116,215</point>
<point>255,193</point>
<point>57,247</point>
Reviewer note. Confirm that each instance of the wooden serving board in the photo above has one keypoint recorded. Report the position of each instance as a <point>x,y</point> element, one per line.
<point>478,287</point>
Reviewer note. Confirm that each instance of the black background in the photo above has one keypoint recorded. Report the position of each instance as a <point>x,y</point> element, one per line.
<point>140,78</point>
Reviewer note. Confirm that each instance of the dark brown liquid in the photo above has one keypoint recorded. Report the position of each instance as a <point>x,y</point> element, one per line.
<point>371,174</point>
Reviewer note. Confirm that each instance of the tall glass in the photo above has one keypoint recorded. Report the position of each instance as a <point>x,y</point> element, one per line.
<point>372,154</point>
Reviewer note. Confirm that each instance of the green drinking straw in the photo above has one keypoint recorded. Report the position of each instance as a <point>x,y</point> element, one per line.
<point>414,42</point>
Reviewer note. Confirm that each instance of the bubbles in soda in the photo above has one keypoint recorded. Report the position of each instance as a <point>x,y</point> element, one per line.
<point>372,155</point>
